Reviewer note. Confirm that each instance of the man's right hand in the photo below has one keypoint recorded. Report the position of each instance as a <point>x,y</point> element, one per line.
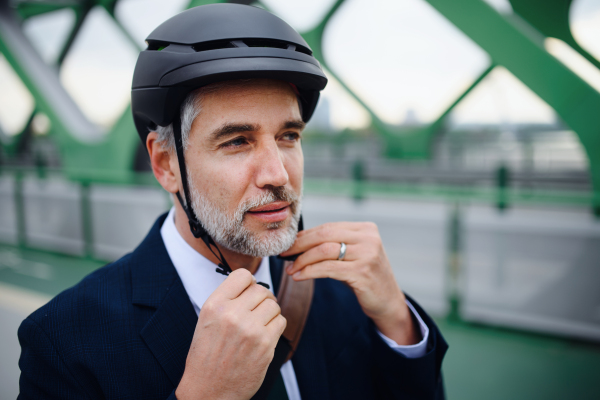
<point>234,342</point>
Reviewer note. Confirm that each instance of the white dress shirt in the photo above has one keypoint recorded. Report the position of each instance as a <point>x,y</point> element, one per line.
<point>199,279</point>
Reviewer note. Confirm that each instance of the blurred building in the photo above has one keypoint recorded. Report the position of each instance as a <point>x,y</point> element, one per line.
<point>321,119</point>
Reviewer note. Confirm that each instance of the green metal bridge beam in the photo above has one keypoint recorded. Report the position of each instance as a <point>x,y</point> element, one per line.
<point>41,80</point>
<point>406,143</point>
<point>510,41</point>
<point>314,38</point>
<point>416,143</point>
<point>80,15</point>
<point>29,9</point>
<point>513,46</point>
<point>552,22</point>
<point>106,157</point>
<point>196,3</point>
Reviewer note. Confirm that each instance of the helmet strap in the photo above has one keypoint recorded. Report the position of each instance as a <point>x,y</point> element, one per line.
<point>195,226</point>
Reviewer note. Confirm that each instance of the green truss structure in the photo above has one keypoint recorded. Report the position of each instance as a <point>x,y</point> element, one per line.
<point>514,41</point>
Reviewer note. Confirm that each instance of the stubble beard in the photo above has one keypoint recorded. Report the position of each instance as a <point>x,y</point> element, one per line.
<point>230,232</point>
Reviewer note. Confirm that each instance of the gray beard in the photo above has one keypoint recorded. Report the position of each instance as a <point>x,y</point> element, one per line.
<point>229,230</point>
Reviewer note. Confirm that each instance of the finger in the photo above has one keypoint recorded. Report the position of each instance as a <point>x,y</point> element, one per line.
<point>254,295</point>
<point>331,233</point>
<point>276,327</point>
<point>322,252</point>
<point>235,284</point>
<point>266,311</point>
<point>345,225</point>
<point>338,270</point>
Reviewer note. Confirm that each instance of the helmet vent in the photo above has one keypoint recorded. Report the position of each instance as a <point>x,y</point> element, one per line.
<point>214,45</point>
<point>228,44</point>
<point>276,44</point>
<point>155,45</point>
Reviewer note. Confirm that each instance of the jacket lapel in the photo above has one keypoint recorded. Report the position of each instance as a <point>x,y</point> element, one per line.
<point>155,283</point>
<point>308,361</point>
<point>168,334</point>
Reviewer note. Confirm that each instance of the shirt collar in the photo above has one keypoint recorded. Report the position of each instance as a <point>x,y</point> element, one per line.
<point>197,273</point>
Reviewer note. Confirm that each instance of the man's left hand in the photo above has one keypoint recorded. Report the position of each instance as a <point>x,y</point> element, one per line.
<point>365,268</point>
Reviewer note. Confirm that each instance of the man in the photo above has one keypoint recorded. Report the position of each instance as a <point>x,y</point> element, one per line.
<point>220,98</point>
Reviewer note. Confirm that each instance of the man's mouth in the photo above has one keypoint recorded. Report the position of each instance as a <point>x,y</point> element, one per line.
<point>272,212</point>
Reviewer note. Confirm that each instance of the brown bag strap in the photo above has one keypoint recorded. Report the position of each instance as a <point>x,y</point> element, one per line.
<point>295,299</point>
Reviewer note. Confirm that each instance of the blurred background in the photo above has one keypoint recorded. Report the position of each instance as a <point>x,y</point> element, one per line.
<point>468,130</point>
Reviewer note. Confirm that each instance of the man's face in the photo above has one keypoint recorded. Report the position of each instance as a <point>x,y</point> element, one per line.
<point>245,166</point>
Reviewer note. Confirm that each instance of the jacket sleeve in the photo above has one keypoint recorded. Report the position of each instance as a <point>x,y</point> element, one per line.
<point>399,377</point>
<point>44,374</point>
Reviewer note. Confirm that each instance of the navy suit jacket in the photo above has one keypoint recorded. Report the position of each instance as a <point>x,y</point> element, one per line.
<point>124,332</point>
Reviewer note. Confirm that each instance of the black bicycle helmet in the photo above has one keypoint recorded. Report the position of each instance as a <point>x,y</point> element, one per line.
<point>214,43</point>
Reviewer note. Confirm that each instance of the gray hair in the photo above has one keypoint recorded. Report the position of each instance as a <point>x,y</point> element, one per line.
<point>190,109</point>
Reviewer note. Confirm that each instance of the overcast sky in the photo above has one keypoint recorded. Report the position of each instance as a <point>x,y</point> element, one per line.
<point>400,56</point>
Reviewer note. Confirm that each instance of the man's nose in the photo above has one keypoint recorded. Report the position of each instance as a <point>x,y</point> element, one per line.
<point>270,169</point>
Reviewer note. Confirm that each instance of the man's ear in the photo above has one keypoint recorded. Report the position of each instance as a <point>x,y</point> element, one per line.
<point>162,165</point>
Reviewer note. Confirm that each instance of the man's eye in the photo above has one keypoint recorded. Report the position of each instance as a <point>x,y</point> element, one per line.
<point>235,142</point>
<point>293,136</point>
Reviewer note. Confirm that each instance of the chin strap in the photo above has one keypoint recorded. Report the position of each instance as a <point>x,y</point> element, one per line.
<point>195,226</point>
